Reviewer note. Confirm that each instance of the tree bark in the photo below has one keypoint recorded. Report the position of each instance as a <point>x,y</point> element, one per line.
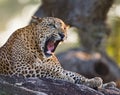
<point>87,15</point>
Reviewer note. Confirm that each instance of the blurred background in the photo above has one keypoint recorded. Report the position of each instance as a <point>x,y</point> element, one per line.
<point>15,14</point>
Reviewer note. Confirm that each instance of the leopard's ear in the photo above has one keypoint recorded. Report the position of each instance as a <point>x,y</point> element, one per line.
<point>36,19</point>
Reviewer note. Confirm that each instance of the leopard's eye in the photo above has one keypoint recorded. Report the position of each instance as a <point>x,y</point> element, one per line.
<point>52,25</point>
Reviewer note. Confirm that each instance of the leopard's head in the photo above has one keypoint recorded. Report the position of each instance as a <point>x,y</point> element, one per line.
<point>50,32</point>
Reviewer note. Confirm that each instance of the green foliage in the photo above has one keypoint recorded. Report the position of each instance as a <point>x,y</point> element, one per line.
<point>113,47</point>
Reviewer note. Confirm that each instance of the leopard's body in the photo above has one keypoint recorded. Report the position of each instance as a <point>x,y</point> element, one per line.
<point>29,52</point>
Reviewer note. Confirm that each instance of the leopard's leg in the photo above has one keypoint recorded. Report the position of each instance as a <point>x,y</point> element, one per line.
<point>73,77</point>
<point>79,79</point>
<point>95,82</point>
<point>55,71</point>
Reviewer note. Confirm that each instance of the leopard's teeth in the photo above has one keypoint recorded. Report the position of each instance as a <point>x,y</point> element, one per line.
<point>49,52</point>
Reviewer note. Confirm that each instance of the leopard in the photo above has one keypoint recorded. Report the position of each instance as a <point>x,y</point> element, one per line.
<point>29,52</point>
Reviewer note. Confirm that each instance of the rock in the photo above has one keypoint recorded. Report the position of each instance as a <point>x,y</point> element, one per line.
<point>34,86</point>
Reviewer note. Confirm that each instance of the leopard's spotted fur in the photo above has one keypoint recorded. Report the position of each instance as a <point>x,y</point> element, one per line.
<point>24,53</point>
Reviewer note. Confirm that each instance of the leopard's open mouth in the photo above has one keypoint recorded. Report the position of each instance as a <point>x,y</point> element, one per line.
<point>50,46</point>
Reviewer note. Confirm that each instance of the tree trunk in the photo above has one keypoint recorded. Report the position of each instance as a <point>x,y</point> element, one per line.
<point>87,15</point>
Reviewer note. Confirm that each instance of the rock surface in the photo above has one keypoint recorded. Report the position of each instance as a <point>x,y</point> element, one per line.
<point>20,86</point>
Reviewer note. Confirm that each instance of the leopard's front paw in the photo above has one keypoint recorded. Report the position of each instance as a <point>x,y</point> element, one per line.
<point>94,82</point>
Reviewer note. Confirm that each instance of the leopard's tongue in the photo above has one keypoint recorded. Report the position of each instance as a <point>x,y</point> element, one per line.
<point>50,47</point>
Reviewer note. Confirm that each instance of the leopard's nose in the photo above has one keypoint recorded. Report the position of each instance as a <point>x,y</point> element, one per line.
<point>62,36</point>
